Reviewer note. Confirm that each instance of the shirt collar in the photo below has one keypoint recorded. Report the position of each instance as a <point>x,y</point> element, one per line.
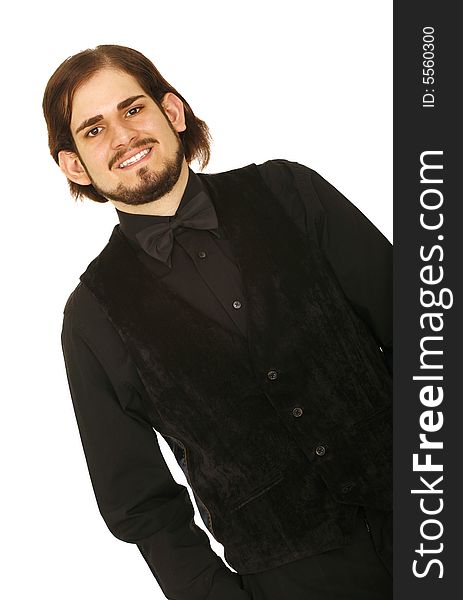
<point>131,223</point>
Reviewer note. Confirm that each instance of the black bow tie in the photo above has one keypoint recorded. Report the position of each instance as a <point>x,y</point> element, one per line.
<point>157,240</point>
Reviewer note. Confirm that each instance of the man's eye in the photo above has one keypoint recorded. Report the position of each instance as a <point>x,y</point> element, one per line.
<point>93,132</point>
<point>133,111</point>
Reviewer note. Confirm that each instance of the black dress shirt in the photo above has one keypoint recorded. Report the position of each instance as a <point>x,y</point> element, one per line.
<point>120,446</point>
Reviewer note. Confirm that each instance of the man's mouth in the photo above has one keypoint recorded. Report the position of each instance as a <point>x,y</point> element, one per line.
<point>134,159</point>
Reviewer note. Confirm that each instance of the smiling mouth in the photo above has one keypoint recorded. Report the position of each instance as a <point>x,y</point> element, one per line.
<point>136,158</point>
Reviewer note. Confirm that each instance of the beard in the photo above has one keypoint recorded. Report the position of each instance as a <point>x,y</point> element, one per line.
<point>152,185</point>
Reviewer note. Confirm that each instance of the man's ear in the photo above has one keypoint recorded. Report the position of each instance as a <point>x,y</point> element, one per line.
<point>173,107</point>
<point>71,166</point>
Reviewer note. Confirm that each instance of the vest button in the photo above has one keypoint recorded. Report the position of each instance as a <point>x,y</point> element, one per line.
<point>320,450</point>
<point>202,254</point>
<point>272,375</point>
<point>237,304</point>
<point>297,412</point>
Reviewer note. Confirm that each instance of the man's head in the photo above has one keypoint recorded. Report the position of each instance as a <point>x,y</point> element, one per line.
<point>117,128</point>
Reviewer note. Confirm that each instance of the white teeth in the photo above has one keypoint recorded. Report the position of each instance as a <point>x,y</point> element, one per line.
<point>134,159</point>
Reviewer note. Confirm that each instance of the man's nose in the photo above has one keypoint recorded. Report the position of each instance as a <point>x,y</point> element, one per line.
<point>122,135</point>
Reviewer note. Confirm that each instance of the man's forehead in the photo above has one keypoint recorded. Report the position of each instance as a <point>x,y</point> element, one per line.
<point>103,92</point>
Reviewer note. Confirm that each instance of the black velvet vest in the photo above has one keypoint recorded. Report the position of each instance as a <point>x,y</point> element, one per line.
<point>283,434</point>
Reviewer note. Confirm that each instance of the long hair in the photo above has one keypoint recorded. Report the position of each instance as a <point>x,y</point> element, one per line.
<point>77,69</point>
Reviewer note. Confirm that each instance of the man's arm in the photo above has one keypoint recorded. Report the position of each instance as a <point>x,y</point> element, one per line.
<point>361,257</point>
<point>359,254</point>
<point>136,494</point>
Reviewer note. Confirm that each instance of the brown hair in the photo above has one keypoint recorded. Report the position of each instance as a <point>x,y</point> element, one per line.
<point>77,69</point>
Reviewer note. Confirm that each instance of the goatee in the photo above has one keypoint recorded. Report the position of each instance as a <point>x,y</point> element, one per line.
<point>152,185</point>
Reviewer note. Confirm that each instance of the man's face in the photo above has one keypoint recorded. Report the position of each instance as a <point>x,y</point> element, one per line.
<point>129,150</point>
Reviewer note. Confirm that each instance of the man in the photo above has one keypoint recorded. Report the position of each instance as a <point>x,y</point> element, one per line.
<point>246,317</point>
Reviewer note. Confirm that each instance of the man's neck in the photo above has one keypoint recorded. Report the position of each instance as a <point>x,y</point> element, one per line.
<point>164,206</point>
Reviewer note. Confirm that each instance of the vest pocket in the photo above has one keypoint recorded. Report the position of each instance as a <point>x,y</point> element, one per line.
<point>358,466</point>
<point>377,416</point>
<point>184,461</point>
<point>276,478</point>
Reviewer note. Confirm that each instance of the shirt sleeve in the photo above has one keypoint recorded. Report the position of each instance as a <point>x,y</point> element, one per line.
<point>137,496</point>
<point>359,254</point>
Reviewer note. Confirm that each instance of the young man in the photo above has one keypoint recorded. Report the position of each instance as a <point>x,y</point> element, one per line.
<point>246,317</point>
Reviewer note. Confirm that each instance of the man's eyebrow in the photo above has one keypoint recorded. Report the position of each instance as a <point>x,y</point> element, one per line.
<point>93,120</point>
<point>89,122</point>
<point>128,101</point>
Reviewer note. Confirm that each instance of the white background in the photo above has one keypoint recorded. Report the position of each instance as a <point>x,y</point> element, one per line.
<point>308,81</point>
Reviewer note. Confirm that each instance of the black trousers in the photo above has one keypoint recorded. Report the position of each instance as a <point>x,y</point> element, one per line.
<point>362,570</point>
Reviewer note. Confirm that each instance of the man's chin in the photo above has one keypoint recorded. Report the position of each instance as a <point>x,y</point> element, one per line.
<point>152,185</point>
<point>133,198</point>
<point>141,194</point>
<point>138,200</point>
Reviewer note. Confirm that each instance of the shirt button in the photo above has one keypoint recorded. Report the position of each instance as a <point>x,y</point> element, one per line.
<point>320,450</point>
<point>297,412</point>
<point>272,375</point>
<point>202,254</point>
<point>236,304</point>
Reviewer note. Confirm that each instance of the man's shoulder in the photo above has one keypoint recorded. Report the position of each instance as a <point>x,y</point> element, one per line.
<point>275,168</point>
<point>85,325</point>
<point>281,174</point>
<point>79,299</point>
<point>82,313</point>
<point>283,166</point>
